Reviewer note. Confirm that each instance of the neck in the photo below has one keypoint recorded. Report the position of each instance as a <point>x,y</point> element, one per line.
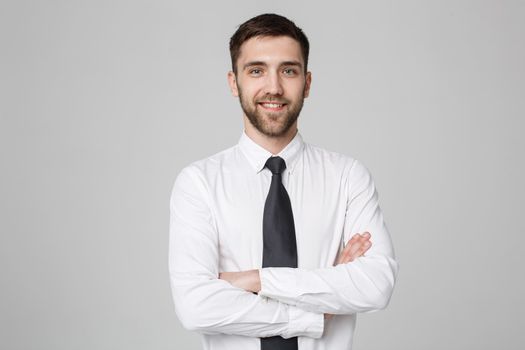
<point>273,144</point>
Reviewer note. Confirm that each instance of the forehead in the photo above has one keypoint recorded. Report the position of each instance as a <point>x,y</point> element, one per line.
<point>270,49</point>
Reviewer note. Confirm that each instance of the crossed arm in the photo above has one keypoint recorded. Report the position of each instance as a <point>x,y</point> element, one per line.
<point>290,301</point>
<point>250,280</point>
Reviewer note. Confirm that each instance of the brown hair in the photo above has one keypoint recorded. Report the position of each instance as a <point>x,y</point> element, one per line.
<point>268,24</point>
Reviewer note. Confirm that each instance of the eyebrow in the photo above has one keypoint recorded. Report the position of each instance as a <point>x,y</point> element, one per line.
<point>261,63</point>
<point>292,63</point>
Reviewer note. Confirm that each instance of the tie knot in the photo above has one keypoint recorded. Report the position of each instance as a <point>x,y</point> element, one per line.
<point>276,165</point>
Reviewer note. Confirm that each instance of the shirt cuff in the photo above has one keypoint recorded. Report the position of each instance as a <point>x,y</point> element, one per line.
<point>300,322</point>
<point>279,283</point>
<point>304,323</point>
<point>288,285</point>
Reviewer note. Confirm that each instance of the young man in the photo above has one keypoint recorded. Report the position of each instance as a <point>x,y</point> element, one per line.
<point>274,243</point>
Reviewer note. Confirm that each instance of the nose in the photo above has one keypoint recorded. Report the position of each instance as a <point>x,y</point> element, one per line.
<point>273,84</point>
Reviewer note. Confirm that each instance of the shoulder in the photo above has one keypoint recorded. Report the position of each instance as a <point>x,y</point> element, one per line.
<point>204,170</point>
<point>328,158</point>
<point>213,162</point>
<point>349,166</point>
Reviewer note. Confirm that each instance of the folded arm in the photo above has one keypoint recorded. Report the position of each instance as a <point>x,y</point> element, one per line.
<point>205,303</point>
<point>250,280</point>
<point>362,285</point>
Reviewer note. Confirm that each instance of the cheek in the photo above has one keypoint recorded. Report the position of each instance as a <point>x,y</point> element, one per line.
<point>296,89</point>
<point>250,91</point>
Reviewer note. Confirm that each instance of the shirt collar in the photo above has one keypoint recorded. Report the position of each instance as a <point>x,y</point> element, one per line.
<point>257,155</point>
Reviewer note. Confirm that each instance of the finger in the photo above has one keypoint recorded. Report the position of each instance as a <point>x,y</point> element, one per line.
<point>352,240</point>
<point>350,251</point>
<point>364,248</point>
<point>367,243</point>
<point>354,248</point>
<point>352,254</point>
<point>344,254</point>
<point>361,246</point>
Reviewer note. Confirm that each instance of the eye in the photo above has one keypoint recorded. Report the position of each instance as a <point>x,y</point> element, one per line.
<point>289,71</point>
<point>255,71</point>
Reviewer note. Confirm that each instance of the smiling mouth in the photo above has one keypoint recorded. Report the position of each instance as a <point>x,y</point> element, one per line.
<point>272,105</point>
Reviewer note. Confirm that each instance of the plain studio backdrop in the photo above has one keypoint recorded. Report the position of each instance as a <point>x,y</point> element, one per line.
<point>104,102</point>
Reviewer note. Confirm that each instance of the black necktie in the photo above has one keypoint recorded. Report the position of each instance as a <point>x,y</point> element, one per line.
<point>280,248</point>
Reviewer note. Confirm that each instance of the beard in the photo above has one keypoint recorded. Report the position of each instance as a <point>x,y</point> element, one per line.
<point>272,124</point>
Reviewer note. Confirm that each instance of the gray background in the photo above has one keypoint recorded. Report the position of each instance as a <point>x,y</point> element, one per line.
<point>103,103</point>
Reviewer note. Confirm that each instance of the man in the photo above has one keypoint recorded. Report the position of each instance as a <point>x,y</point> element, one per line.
<point>275,243</point>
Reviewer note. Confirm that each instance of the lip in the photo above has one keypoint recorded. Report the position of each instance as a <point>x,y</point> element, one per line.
<point>272,105</point>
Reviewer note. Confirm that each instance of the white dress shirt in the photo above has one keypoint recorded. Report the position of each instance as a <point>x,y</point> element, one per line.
<point>216,220</point>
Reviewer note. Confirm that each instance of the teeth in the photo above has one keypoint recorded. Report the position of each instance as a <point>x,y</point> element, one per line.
<point>272,105</point>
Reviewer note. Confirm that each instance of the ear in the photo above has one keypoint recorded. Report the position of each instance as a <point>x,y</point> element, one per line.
<point>232,81</point>
<point>308,82</point>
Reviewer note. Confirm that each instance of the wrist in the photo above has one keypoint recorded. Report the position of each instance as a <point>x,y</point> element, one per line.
<point>256,281</point>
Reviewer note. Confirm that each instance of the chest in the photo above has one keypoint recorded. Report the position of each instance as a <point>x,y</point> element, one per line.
<point>318,206</point>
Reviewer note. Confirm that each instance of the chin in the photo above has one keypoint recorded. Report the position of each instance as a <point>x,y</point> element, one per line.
<point>275,132</point>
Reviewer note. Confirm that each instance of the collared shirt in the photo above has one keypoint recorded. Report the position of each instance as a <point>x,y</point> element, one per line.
<point>216,215</point>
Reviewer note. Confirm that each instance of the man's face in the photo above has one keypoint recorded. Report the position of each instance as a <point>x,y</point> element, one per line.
<point>271,83</point>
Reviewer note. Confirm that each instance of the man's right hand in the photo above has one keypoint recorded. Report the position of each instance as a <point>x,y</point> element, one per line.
<point>356,247</point>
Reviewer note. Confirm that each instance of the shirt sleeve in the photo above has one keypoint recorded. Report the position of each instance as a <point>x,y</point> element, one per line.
<point>364,285</point>
<point>205,303</point>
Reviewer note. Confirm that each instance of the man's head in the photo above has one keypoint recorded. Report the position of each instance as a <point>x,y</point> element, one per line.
<point>269,75</point>
<point>267,25</point>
